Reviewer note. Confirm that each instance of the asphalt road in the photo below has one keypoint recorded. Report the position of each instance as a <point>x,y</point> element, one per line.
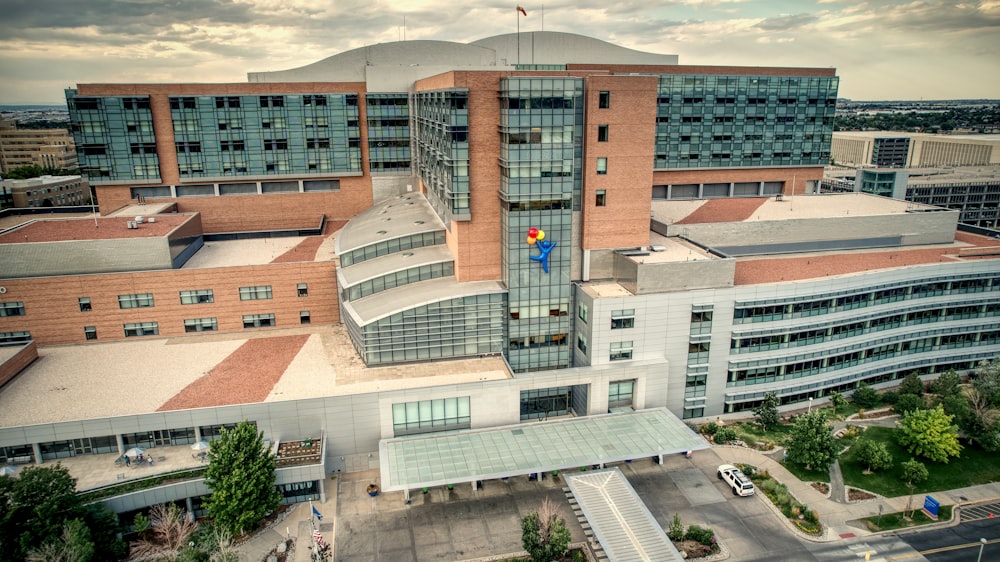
<point>959,543</point>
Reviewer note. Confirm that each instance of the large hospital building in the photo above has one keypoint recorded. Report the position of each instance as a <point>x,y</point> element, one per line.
<point>427,236</point>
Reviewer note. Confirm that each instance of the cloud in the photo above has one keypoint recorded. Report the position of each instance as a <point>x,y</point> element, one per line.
<point>786,22</point>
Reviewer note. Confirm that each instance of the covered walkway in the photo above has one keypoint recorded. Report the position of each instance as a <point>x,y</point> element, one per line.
<point>420,461</point>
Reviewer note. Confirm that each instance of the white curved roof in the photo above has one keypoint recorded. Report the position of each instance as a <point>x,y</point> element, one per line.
<point>426,58</point>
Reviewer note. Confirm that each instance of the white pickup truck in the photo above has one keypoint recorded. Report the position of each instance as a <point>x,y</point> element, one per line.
<point>739,482</point>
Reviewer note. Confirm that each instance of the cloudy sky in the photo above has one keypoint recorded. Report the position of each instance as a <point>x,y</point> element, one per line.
<point>882,49</point>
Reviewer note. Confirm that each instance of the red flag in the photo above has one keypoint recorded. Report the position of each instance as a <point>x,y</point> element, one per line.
<point>520,9</point>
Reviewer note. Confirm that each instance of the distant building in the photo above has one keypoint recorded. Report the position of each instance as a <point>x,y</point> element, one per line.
<point>974,191</point>
<point>895,149</point>
<point>48,191</point>
<point>48,148</point>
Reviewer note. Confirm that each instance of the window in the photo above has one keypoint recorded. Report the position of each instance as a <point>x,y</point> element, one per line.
<point>303,289</point>
<point>581,343</point>
<point>621,351</point>
<point>272,101</point>
<point>84,304</point>
<point>582,312</point>
<point>304,317</point>
<point>223,102</point>
<point>258,320</point>
<point>12,308</point>
<point>604,100</point>
<point>201,325</point>
<point>200,296</point>
<point>90,332</point>
<point>602,133</point>
<point>602,198</point>
<point>693,413</point>
<point>255,293</point>
<point>235,146</point>
<point>11,337</point>
<point>141,300</point>
<point>620,393</point>
<point>137,329</point>
<point>622,319</point>
<point>317,143</point>
<point>694,386</point>
<point>313,100</point>
<point>426,416</point>
<point>602,166</point>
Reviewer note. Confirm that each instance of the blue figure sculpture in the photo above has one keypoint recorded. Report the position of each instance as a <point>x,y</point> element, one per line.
<point>545,247</point>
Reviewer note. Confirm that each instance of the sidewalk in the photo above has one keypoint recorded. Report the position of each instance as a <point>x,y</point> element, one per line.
<point>295,524</point>
<point>834,515</point>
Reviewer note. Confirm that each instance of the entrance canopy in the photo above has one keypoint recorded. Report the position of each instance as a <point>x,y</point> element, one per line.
<point>623,525</point>
<point>435,459</point>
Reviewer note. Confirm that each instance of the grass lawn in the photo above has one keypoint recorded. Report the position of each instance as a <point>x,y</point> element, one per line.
<point>751,429</point>
<point>892,521</point>
<point>804,475</point>
<point>975,466</point>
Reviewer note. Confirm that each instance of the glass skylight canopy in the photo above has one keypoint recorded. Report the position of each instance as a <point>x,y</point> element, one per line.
<point>420,461</point>
<point>621,522</point>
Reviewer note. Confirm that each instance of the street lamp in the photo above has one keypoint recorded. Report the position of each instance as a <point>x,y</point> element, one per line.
<point>982,544</point>
<point>809,411</point>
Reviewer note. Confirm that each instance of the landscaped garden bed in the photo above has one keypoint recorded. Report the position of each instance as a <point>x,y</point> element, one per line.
<point>295,453</point>
<point>892,521</point>
<point>801,516</point>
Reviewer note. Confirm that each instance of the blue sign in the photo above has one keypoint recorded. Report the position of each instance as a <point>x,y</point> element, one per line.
<point>931,505</point>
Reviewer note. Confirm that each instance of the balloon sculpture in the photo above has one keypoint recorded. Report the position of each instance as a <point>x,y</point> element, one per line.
<point>536,237</point>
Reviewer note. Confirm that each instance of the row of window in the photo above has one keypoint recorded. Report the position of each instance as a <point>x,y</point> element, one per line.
<point>855,327</point>
<point>145,300</point>
<point>222,102</point>
<point>620,319</point>
<point>139,329</point>
<point>772,312</point>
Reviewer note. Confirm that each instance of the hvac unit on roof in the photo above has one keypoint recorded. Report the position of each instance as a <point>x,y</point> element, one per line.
<point>138,220</point>
<point>151,220</point>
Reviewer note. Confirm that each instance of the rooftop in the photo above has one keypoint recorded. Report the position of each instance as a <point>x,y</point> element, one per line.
<point>104,228</point>
<point>79,382</point>
<point>411,214</point>
<point>830,205</point>
<point>927,175</point>
<point>924,136</point>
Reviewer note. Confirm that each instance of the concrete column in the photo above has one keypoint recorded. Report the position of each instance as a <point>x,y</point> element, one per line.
<point>37,450</point>
<point>197,434</point>
<point>120,443</point>
<point>322,490</point>
<point>190,509</point>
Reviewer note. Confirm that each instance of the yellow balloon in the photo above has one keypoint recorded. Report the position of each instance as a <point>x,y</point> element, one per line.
<point>541,235</point>
<point>530,240</point>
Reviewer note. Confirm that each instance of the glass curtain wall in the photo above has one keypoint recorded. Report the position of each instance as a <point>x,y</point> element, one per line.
<point>541,121</point>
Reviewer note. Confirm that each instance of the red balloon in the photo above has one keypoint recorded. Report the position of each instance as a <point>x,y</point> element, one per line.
<point>533,232</point>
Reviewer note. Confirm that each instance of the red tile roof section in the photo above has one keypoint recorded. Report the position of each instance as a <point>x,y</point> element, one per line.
<point>724,210</point>
<point>84,229</point>
<point>245,377</point>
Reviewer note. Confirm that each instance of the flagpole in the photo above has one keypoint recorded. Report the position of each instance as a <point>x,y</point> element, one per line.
<point>517,14</point>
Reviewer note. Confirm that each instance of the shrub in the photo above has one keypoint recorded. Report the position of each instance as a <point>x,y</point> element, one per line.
<point>890,397</point>
<point>909,403</point>
<point>709,428</point>
<point>698,534</point>
<point>747,469</point>
<point>724,435</point>
<point>865,396</point>
<point>811,516</point>
<point>676,531</point>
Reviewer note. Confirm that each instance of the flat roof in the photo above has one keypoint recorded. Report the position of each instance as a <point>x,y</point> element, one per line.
<point>103,228</point>
<point>259,251</point>
<point>814,265</point>
<point>145,375</point>
<point>425,460</point>
<point>666,249</point>
<point>396,217</point>
<point>386,303</point>
<point>621,521</point>
<point>826,205</point>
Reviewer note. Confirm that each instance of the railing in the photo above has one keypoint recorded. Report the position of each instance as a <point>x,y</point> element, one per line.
<point>137,484</point>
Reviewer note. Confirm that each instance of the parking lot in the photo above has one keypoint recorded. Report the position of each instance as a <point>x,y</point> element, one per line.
<point>463,524</point>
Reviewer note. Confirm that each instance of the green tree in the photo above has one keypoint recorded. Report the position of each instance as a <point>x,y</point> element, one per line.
<point>73,545</point>
<point>874,454</point>
<point>811,444</point>
<point>987,381</point>
<point>240,474</point>
<point>544,534</point>
<point>912,385</point>
<point>32,171</point>
<point>908,403</point>
<point>767,413</point>
<point>914,472</point>
<point>947,384</point>
<point>930,434</point>
<point>865,396</point>
<point>36,505</point>
<point>837,400</point>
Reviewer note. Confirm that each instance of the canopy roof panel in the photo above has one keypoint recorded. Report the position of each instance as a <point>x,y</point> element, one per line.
<point>419,461</point>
